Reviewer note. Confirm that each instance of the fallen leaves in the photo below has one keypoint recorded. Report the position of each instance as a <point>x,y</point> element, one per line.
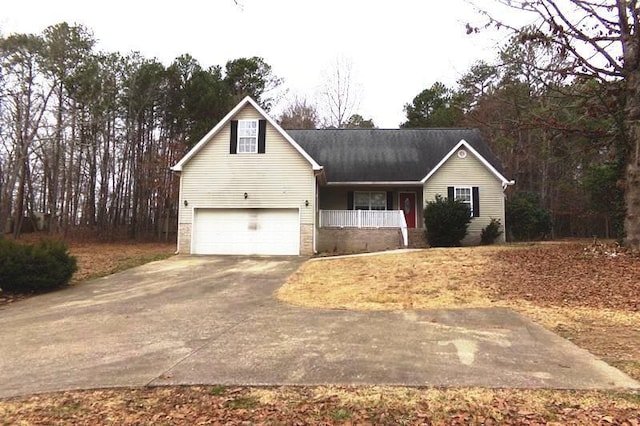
<point>592,288</point>
<point>100,259</point>
<point>586,291</point>
<point>569,275</point>
<point>322,405</point>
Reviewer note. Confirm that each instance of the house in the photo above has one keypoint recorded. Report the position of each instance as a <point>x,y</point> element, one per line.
<point>250,187</point>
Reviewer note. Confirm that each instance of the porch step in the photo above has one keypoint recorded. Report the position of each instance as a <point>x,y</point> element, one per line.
<point>416,238</point>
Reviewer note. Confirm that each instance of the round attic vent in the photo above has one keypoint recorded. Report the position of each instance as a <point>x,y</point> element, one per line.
<point>462,154</point>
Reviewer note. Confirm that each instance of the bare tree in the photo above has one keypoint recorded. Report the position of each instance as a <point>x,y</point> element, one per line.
<point>602,40</point>
<point>300,114</point>
<point>25,100</point>
<point>340,94</point>
<point>87,138</point>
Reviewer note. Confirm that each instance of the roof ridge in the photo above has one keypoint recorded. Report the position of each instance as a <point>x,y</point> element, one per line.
<point>387,129</point>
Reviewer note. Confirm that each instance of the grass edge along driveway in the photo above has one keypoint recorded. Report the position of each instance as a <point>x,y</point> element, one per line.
<point>580,290</point>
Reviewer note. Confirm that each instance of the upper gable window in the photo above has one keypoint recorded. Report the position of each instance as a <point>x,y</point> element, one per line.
<point>247,136</point>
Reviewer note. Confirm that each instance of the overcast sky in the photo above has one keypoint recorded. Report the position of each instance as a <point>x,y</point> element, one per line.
<point>397,48</point>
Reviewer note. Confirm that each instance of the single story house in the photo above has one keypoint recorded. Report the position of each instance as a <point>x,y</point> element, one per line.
<point>250,187</point>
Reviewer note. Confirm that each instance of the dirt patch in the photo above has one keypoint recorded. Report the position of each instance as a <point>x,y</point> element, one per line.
<point>322,405</point>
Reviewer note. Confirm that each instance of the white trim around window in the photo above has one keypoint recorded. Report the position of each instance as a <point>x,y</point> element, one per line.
<point>369,200</point>
<point>247,136</point>
<point>464,194</point>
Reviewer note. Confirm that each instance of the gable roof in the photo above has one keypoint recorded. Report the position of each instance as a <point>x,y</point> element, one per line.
<point>247,100</point>
<point>391,155</point>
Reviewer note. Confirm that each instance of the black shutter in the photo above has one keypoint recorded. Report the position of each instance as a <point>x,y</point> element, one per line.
<point>233,140</point>
<point>450,194</point>
<point>389,200</point>
<point>350,200</point>
<point>476,201</point>
<point>262,133</point>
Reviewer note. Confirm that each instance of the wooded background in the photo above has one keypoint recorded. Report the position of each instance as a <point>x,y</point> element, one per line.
<point>87,137</point>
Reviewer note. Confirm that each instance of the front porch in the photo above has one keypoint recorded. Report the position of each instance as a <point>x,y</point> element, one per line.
<point>355,231</point>
<point>368,218</point>
<point>375,198</point>
<point>373,219</point>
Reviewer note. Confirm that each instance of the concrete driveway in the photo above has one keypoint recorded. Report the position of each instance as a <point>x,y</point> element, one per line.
<point>213,320</point>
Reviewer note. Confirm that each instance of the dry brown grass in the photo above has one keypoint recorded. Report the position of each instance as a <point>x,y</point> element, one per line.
<point>434,278</point>
<point>441,399</point>
<point>462,278</point>
<point>322,405</point>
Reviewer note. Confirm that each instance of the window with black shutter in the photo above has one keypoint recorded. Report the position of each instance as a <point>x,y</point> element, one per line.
<point>248,137</point>
<point>469,195</point>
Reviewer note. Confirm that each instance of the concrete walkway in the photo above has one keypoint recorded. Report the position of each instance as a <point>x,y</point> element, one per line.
<point>213,320</point>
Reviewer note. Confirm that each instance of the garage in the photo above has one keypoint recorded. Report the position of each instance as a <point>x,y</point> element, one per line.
<point>246,231</point>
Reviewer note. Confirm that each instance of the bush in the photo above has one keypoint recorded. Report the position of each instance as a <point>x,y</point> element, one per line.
<point>526,218</point>
<point>490,232</point>
<point>34,268</point>
<point>446,221</point>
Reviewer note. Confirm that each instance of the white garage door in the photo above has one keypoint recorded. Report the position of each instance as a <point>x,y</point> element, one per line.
<point>246,231</point>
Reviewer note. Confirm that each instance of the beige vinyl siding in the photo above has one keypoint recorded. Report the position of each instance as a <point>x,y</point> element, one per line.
<point>470,171</point>
<point>279,178</point>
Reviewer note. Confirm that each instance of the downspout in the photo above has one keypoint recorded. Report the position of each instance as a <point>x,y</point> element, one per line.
<point>505,185</point>
<point>315,219</point>
<point>318,174</point>
<point>179,215</point>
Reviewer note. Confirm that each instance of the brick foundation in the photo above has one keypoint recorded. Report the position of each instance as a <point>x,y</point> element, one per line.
<point>306,239</point>
<point>331,240</point>
<point>417,238</point>
<point>184,238</point>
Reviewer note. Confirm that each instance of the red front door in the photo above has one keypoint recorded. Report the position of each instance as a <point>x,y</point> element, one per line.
<point>408,206</point>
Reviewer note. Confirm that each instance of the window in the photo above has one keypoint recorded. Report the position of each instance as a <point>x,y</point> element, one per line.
<point>464,195</point>
<point>370,200</point>
<point>469,195</point>
<point>247,136</point>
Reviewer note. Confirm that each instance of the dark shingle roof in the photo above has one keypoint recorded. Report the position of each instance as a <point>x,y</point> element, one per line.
<point>388,155</point>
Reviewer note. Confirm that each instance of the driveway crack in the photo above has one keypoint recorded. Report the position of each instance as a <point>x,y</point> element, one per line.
<point>207,342</point>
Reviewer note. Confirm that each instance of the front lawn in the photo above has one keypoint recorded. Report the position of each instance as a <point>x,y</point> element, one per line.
<point>559,285</point>
<point>580,290</point>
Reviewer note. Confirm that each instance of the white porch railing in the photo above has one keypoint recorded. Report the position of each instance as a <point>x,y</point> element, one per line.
<point>365,219</point>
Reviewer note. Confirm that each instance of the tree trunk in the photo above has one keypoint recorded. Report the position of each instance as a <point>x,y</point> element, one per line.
<point>20,199</point>
<point>632,187</point>
<point>632,202</point>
